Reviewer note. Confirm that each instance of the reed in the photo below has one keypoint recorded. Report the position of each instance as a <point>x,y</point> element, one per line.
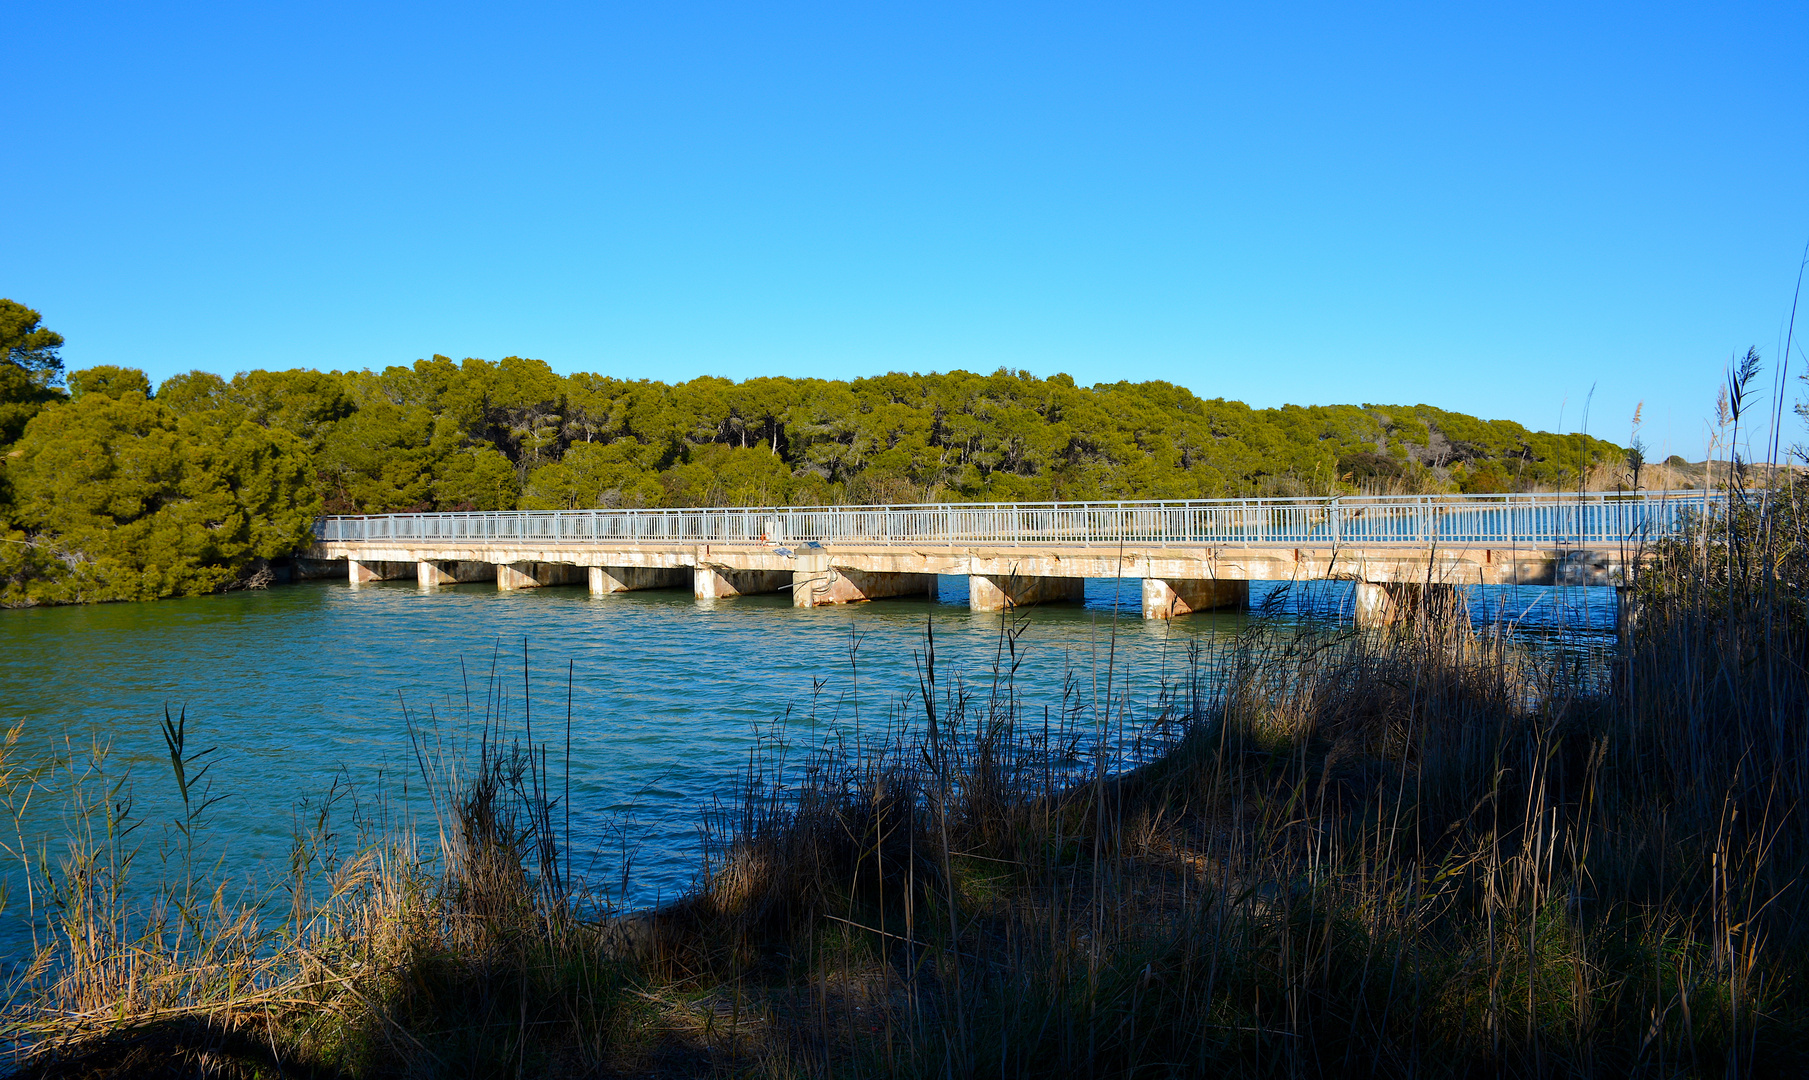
<point>1428,852</point>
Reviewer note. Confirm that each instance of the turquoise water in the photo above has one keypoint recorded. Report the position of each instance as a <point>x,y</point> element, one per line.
<point>304,686</point>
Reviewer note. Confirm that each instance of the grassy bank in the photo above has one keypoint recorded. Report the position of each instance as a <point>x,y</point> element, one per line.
<point>1425,853</point>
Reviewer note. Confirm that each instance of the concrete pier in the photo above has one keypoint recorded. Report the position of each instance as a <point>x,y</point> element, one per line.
<point>1165,598</point>
<point>1385,603</point>
<point>1002,592</point>
<point>534,575</point>
<point>359,571</point>
<point>605,580</point>
<point>817,585</point>
<point>716,582</point>
<point>432,574</point>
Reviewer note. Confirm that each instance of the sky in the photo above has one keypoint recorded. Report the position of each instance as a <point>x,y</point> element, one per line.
<point>1489,208</point>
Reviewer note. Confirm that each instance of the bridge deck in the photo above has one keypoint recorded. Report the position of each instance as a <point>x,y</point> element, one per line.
<point>839,554</point>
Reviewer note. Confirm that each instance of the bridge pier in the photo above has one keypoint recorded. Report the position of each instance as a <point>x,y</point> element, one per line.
<point>721,582</point>
<point>534,575</point>
<point>358,572</point>
<point>814,587</point>
<point>430,574</point>
<point>1002,592</point>
<point>1165,598</point>
<point>1386,603</point>
<point>614,579</point>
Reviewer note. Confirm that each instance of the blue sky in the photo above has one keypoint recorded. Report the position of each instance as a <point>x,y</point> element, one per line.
<point>1488,208</point>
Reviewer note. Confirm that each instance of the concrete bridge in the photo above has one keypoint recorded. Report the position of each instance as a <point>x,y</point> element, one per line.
<point>1191,556</point>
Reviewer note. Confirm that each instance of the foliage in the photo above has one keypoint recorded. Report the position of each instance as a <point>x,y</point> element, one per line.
<point>30,369</point>
<point>109,381</point>
<point>28,345</point>
<point>436,435</point>
<point>120,498</point>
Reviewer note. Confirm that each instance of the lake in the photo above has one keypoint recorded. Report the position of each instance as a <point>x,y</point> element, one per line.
<point>305,685</point>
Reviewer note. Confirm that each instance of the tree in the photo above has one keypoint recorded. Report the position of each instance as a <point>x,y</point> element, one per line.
<point>478,478</point>
<point>109,380</point>
<point>28,345</point>
<point>597,475</point>
<point>192,392</point>
<point>135,502</point>
<point>304,403</point>
<point>30,370</point>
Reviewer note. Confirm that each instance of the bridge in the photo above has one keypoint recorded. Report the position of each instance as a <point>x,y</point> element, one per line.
<point>1195,555</point>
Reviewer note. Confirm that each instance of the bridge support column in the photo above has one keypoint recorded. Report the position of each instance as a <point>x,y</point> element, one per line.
<point>1165,598</point>
<point>358,572</point>
<point>1381,604</point>
<point>720,582</point>
<point>814,587</point>
<point>614,579</point>
<point>1002,592</point>
<point>453,572</point>
<point>533,575</point>
<point>512,576</point>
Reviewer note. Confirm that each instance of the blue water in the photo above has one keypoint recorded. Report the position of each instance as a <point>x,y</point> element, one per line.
<point>304,686</point>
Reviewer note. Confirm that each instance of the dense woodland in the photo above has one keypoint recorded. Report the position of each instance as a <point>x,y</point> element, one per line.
<point>115,489</point>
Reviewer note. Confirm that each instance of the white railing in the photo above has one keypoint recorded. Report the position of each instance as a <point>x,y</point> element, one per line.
<point>1545,519</point>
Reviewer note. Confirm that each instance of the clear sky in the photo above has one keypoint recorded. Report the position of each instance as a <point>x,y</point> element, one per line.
<point>1488,208</point>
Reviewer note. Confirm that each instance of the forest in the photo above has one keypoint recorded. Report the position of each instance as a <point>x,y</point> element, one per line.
<point>113,488</point>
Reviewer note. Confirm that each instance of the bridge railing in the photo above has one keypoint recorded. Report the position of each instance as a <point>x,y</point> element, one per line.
<point>1585,519</point>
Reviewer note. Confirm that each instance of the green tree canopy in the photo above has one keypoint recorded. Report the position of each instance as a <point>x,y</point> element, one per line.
<point>28,345</point>
<point>108,381</point>
<point>131,501</point>
<point>30,369</point>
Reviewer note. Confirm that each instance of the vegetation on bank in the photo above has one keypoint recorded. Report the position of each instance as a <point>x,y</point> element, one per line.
<point>108,493</point>
<point>113,490</point>
<point>1428,852</point>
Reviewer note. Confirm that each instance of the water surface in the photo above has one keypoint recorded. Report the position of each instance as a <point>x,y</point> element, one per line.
<point>304,686</point>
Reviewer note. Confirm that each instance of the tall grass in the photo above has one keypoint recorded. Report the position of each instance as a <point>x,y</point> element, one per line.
<point>1426,852</point>
<point>373,956</point>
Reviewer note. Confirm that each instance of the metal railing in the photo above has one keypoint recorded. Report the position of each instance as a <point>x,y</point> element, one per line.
<point>1544,519</point>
